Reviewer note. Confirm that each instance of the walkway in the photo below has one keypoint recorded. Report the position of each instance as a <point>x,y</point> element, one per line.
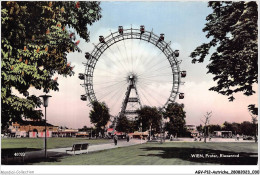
<point>34,156</point>
<point>212,140</point>
<point>100,147</point>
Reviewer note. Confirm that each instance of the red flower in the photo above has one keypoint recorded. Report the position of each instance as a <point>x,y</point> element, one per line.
<point>77,42</point>
<point>47,31</point>
<point>72,34</point>
<point>77,5</point>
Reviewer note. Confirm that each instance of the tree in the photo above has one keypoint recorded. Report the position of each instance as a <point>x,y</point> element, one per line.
<point>206,123</point>
<point>247,128</point>
<point>176,115</point>
<point>213,128</point>
<point>150,118</point>
<point>99,115</point>
<point>255,126</point>
<point>123,124</point>
<point>199,128</point>
<point>232,29</point>
<point>253,110</point>
<point>254,113</point>
<point>236,128</point>
<point>35,41</point>
<point>228,127</point>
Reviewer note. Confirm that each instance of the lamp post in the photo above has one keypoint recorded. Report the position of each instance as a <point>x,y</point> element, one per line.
<point>45,104</point>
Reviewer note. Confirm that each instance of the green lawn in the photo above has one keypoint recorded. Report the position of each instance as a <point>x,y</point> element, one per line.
<point>51,142</point>
<point>165,154</point>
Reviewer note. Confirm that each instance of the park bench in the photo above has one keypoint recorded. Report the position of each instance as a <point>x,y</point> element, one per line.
<point>79,147</point>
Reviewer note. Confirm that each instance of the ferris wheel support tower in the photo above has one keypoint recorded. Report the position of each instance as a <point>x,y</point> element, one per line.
<point>132,79</point>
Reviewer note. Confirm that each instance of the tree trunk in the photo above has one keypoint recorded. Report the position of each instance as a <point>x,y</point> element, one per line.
<point>205,135</point>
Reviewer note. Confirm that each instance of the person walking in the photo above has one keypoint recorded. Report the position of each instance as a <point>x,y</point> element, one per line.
<point>171,137</point>
<point>237,137</point>
<point>127,138</point>
<point>115,139</point>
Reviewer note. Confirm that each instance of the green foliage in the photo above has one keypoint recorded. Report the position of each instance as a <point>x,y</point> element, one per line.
<point>123,124</point>
<point>199,128</point>
<point>35,41</point>
<point>213,128</point>
<point>245,128</point>
<point>175,115</point>
<point>232,29</point>
<point>253,109</point>
<point>149,117</point>
<point>99,115</point>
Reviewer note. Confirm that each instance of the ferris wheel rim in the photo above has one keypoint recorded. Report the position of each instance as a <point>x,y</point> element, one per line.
<point>131,33</point>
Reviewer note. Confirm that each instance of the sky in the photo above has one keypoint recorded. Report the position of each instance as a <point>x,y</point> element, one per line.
<point>182,24</point>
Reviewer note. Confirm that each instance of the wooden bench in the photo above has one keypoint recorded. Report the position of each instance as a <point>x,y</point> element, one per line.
<point>79,147</point>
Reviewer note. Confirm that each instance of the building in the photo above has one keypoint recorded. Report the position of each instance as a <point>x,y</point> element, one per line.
<point>31,129</point>
<point>193,130</point>
<point>223,134</point>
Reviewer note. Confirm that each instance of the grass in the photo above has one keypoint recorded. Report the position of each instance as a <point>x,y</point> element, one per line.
<point>38,143</point>
<point>178,153</point>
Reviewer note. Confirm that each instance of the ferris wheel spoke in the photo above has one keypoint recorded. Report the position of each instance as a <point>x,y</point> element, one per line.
<point>118,59</point>
<point>143,56</point>
<point>105,88</point>
<point>107,82</point>
<point>151,59</point>
<point>114,63</point>
<point>107,72</point>
<point>120,55</point>
<point>126,52</point>
<point>119,95</point>
<point>159,62</point>
<point>160,81</point>
<point>130,59</point>
<point>157,70</point>
<point>152,96</point>
<point>111,93</point>
<point>107,94</point>
<point>155,92</point>
<point>142,94</point>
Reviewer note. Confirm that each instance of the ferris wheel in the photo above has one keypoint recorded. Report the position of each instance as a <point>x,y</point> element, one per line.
<point>131,68</point>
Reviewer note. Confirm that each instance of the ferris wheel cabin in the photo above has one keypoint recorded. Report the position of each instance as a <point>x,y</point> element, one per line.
<point>142,29</point>
<point>176,53</point>
<point>101,39</point>
<point>161,38</point>
<point>87,55</point>
<point>120,30</point>
<point>181,96</point>
<point>81,76</point>
<point>83,97</point>
<point>183,74</point>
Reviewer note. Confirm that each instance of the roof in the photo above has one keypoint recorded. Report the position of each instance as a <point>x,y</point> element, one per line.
<point>118,133</point>
<point>110,129</point>
<point>34,123</point>
<point>139,133</point>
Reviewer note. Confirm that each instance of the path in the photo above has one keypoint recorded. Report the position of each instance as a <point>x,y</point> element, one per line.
<point>212,140</point>
<point>36,156</point>
<point>100,147</point>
